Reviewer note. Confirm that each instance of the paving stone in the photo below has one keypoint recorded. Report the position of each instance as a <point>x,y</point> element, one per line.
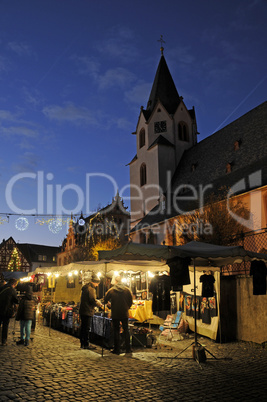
<point>55,369</point>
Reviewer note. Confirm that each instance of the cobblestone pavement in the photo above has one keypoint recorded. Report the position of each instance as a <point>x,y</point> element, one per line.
<point>54,368</point>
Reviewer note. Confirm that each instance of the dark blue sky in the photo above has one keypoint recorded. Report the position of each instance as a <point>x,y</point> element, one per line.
<point>73,75</point>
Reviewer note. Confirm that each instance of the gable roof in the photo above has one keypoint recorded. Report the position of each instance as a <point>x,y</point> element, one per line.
<point>160,140</point>
<point>32,251</point>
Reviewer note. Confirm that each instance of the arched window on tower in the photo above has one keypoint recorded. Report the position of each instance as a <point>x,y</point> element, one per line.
<point>142,138</point>
<point>183,132</point>
<point>142,174</point>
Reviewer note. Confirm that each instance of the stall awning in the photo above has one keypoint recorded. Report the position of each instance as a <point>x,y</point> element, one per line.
<point>105,266</point>
<point>204,254</point>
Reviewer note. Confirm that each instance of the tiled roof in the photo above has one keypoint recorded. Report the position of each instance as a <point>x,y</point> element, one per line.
<point>31,251</point>
<point>211,156</point>
<point>213,153</point>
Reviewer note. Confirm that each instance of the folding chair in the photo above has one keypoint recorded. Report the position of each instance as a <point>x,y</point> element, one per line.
<point>170,324</point>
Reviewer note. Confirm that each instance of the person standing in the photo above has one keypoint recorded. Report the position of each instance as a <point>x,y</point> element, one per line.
<point>2,280</point>
<point>120,298</point>
<point>8,298</point>
<point>88,303</point>
<point>26,314</point>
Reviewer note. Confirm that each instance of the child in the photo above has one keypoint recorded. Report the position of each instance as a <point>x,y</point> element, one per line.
<point>25,315</point>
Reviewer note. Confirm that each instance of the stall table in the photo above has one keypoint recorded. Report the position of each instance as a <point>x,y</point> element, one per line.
<point>142,312</point>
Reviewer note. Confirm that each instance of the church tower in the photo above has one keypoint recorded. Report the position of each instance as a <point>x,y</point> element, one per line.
<point>165,129</point>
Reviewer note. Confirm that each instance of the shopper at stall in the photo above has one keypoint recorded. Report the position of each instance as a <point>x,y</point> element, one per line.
<point>120,299</point>
<point>8,300</point>
<point>88,303</point>
<point>26,315</point>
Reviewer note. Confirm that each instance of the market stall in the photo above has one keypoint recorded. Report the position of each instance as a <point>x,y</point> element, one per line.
<point>133,259</point>
<point>199,257</point>
<point>60,307</point>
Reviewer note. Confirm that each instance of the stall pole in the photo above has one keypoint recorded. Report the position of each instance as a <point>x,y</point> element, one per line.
<point>219,308</point>
<point>195,304</point>
<point>196,353</point>
<point>147,291</point>
<point>50,317</point>
<point>104,291</point>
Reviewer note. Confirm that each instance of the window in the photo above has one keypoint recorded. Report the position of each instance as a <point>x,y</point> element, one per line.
<point>142,138</point>
<point>237,145</point>
<point>174,237</point>
<point>142,238</point>
<point>183,133</point>
<point>70,282</point>
<point>193,167</point>
<point>143,175</point>
<point>160,127</point>
<point>229,167</point>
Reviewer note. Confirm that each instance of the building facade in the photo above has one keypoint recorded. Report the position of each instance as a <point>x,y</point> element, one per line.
<point>25,257</point>
<point>109,225</point>
<point>173,175</point>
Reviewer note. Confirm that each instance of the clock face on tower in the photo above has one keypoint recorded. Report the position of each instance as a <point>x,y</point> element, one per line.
<point>160,127</point>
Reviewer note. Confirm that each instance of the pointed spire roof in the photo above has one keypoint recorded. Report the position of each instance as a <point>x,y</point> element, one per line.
<point>163,90</point>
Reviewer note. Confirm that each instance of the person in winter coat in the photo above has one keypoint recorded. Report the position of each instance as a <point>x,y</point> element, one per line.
<point>8,298</point>
<point>88,303</point>
<point>120,297</point>
<point>26,314</point>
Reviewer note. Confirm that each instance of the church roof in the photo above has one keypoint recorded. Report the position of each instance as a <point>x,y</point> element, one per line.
<point>160,140</point>
<point>163,90</point>
<point>242,144</point>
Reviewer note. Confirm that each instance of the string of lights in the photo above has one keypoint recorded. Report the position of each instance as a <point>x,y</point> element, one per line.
<point>55,222</point>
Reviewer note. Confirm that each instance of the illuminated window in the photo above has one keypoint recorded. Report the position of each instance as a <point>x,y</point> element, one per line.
<point>70,282</point>
<point>229,167</point>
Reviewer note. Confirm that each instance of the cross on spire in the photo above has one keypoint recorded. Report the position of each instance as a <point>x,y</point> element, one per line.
<point>161,41</point>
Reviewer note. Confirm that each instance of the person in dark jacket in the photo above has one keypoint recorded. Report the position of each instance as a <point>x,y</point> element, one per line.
<point>88,303</point>
<point>8,298</point>
<point>25,314</point>
<point>120,298</point>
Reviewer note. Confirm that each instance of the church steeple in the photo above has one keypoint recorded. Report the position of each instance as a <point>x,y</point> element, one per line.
<point>164,131</point>
<point>163,89</point>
